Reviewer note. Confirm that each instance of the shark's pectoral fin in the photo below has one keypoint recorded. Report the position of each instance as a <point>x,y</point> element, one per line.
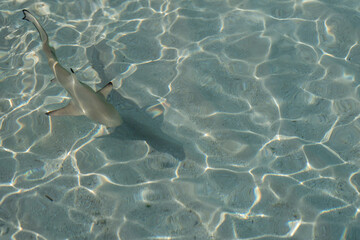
<point>106,89</point>
<point>68,110</point>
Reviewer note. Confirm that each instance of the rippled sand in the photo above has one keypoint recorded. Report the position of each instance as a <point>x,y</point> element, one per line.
<point>242,121</point>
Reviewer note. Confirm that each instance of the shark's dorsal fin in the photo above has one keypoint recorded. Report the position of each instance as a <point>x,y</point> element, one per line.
<point>106,90</point>
<point>68,110</point>
<point>73,74</point>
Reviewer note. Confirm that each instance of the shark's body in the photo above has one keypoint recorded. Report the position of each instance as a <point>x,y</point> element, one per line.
<point>84,100</point>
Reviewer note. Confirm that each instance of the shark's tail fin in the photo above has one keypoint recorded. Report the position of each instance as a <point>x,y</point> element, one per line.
<point>26,15</point>
<point>49,51</point>
<point>29,17</point>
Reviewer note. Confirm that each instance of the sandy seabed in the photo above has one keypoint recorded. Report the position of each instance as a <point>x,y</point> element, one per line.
<point>241,121</point>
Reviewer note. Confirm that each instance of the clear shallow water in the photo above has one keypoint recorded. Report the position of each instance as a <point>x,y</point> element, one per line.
<point>252,130</point>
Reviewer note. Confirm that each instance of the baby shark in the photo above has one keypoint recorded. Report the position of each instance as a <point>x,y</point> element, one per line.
<point>84,101</point>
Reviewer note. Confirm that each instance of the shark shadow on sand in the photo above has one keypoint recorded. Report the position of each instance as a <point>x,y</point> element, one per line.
<point>139,124</point>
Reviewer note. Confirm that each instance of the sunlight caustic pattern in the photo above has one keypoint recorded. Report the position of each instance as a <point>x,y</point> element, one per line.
<point>259,99</point>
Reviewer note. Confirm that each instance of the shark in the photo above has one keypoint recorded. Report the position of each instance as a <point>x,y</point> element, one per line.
<point>135,123</point>
<point>84,100</point>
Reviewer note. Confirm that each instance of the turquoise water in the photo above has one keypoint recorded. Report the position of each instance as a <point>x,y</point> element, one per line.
<point>241,121</point>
